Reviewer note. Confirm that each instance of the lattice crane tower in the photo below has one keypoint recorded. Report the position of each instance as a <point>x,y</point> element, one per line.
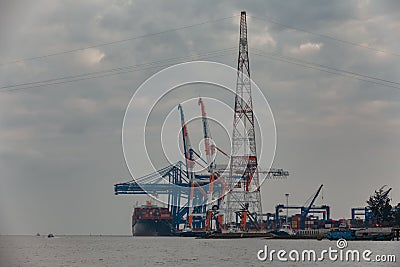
<point>243,202</point>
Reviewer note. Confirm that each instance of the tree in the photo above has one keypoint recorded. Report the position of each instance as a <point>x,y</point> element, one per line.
<point>379,204</point>
<point>396,215</point>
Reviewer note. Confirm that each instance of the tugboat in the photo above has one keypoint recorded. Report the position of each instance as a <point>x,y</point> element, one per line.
<point>284,232</point>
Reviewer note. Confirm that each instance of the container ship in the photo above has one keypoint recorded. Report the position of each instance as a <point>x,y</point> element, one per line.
<point>151,220</point>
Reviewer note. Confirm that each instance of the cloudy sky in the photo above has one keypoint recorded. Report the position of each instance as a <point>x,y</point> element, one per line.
<point>60,144</point>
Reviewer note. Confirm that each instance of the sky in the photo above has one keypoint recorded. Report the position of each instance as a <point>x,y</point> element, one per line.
<point>60,145</point>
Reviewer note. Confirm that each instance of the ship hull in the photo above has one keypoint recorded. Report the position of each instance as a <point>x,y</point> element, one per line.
<point>378,234</point>
<point>152,228</point>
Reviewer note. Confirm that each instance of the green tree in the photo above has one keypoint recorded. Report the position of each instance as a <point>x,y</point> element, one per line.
<point>396,215</point>
<point>380,206</point>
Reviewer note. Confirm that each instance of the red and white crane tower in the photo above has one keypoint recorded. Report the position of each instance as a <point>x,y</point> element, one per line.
<point>243,201</point>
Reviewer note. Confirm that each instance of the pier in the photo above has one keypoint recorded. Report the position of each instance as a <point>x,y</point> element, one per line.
<point>396,231</point>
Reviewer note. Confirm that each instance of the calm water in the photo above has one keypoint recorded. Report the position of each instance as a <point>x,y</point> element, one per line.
<point>165,251</point>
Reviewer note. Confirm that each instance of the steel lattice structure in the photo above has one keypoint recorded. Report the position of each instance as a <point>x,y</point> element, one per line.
<point>173,182</point>
<point>243,202</point>
<point>190,196</point>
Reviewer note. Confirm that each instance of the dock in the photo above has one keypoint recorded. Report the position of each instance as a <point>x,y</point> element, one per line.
<point>235,235</point>
<point>396,231</point>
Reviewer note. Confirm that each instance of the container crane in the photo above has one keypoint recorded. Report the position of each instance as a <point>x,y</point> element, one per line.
<point>305,210</point>
<point>212,210</point>
<point>186,190</point>
<point>187,148</point>
<point>188,151</point>
<point>195,208</point>
<point>243,202</point>
<point>210,149</point>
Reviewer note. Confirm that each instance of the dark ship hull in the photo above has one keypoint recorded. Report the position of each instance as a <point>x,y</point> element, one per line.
<point>152,228</point>
<point>151,220</point>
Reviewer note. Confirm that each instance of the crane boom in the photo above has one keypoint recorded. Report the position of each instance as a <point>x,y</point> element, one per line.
<point>386,193</point>
<point>307,210</point>
<point>188,151</point>
<point>315,197</point>
<point>187,148</point>
<point>210,150</point>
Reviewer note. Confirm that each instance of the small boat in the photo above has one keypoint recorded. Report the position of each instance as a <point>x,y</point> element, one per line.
<point>50,235</point>
<point>187,231</point>
<point>342,233</point>
<point>284,231</point>
<point>233,228</point>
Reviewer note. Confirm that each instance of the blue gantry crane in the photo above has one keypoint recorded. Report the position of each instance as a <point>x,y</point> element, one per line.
<point>305,210</point>
<point>185,188</point>
<point>186,191</point>
<point>196,202</point>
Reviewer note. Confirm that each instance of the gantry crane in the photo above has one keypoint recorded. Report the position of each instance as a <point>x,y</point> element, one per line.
<point>305,210</point>
<point>209,148</point>
<point>185,188</point>
<point>212,211</point>
<point>188,152</point>
<point>196,204</point>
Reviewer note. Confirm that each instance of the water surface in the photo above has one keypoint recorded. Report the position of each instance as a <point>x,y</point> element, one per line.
<point>166,251</point>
